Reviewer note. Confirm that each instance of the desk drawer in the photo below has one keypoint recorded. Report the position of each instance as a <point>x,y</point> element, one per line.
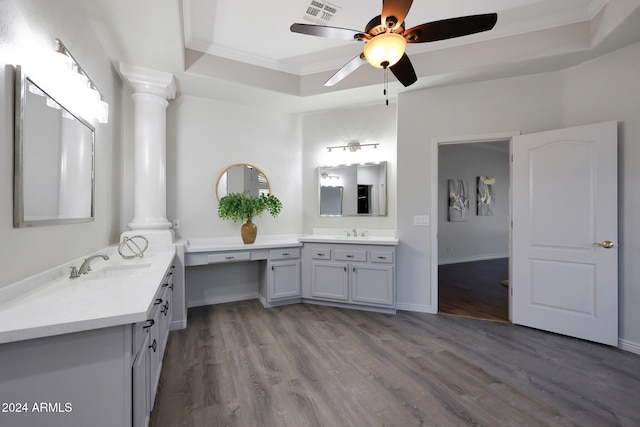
<point>284,253</point>
<point>217,258</point>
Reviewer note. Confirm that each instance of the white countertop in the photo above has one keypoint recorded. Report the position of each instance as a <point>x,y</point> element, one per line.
<point>39,309</point>
<point>214,244</point>
<point>373,240</point>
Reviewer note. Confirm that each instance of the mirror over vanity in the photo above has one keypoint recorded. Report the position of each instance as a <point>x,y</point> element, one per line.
<point>242,178</point>
<point>54,160</point>
<point>352,190</point>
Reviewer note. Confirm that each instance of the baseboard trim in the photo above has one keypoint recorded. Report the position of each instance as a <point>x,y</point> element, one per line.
<point>471,259</point>
<point>222,300</point>
<point>175,326</point>
<point>417,308</point>
<point>629,346</point>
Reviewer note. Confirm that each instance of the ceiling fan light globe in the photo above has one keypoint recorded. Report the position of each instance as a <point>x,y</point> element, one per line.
<point>385,50</point>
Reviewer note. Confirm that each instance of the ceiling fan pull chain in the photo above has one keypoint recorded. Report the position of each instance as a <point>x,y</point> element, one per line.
<point>386,84</point>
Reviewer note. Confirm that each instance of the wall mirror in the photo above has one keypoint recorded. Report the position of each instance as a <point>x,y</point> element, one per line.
<point>241,178</point>
<point>352,190</point>
<point>54,160</point>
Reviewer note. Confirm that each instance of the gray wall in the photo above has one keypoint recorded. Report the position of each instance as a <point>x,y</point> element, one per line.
<point>480,237</point>
<point>366,124</point>
<point>27,32</point>
<point>599,90</point>
<point>204,137</point>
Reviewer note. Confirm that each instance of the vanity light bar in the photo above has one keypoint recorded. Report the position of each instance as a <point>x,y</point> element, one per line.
<point>101,108</point>
<point>353,146</point>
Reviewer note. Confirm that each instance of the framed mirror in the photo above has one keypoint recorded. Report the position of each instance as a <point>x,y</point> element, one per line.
<point>240,178</point>
<point>353,190</point>
<point>54,160</point>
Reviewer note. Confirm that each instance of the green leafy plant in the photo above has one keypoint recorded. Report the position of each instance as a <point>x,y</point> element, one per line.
<point>244,207</point>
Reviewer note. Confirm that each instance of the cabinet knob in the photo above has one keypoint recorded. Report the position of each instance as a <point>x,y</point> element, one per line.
<point>158,301</point>
<point>154,345</point>
<point>345,268</point>
<point>165,309</point>
<point>286,254</point>
<point>382,257</point>
<point>149,324</point>
<point>349,256</point>
<point>230,258</point>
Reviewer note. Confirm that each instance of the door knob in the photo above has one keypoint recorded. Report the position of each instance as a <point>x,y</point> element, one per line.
<point>607,244</point>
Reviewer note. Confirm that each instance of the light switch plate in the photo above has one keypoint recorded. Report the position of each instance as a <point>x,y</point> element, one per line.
<point>421,220</point>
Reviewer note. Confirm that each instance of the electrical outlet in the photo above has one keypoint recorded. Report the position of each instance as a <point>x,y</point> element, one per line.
<point>175,224</point>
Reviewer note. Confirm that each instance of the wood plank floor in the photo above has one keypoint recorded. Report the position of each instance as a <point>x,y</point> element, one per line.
<point>472,289</point>
<point>239,364</point>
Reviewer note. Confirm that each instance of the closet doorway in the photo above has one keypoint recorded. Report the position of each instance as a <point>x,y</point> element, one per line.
<point>474,228</point>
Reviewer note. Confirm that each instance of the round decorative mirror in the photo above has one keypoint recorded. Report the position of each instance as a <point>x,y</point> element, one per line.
<point>241,178</point>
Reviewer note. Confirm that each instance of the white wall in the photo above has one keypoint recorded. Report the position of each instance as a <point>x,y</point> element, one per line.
<point>603,89</point>
<point>27,32</point>
<point>365,124</point>
<point>608,88</point>
<point>480,237</point>
<point>527,104</point>
<point>205,136</point>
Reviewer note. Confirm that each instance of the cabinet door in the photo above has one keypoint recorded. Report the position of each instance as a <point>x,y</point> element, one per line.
<point>141,386</point>
<point>330,280</point>
<point>284,279</point>
<point>154,358</point>
<point>372,284</point>
<point>165,320</point>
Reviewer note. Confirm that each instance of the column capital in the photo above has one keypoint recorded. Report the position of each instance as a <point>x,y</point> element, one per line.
<point>146,80</point>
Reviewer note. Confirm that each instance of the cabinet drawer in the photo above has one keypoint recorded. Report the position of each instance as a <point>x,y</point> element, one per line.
<point>284,253</point>
<point>350,255</point>
<point>228,257</point>
<point>319,253</point>
<point>385,257</point>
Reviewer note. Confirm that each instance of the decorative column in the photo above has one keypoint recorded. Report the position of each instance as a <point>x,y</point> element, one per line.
<point>152,90</point>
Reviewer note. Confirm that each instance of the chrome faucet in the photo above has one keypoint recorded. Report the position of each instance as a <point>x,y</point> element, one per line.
<point>355,233</point>
<point>86,265</point>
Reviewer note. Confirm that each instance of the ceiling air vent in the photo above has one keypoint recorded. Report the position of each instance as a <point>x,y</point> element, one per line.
<point>320,12</point>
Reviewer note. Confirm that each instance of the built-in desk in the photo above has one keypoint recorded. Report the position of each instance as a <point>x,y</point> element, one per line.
<point>226,269</point>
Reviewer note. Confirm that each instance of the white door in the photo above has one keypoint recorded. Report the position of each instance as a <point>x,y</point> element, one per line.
<point>565,218</point>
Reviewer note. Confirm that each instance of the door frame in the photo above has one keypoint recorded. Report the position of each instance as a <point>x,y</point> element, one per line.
<point>468,139</point>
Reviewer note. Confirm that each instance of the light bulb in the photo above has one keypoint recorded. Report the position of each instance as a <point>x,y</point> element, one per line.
<point>385,50</point>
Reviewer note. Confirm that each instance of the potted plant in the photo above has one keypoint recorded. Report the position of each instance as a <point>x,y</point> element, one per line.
<point>244,207</point>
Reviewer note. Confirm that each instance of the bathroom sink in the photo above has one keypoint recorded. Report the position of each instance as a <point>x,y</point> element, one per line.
<point>352,238</point>
<point>119,272</point>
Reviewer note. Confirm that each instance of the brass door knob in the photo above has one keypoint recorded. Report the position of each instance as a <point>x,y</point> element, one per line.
<point>607,244</point>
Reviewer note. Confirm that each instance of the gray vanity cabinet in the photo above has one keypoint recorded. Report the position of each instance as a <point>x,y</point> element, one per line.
<point>150,341</point>
<point>349,274</point>
<point>372,284</point>
<point>283,270</point>
<point>330,281</point>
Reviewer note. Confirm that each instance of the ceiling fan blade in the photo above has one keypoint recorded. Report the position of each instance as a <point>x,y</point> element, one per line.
<point>347,69</point>
<point>396,9</point>
<point>328,32</point>
<point>404,72</point>
<point>450,28</point>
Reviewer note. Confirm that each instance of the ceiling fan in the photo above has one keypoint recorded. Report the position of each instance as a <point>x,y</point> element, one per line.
<point>386,39</point>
